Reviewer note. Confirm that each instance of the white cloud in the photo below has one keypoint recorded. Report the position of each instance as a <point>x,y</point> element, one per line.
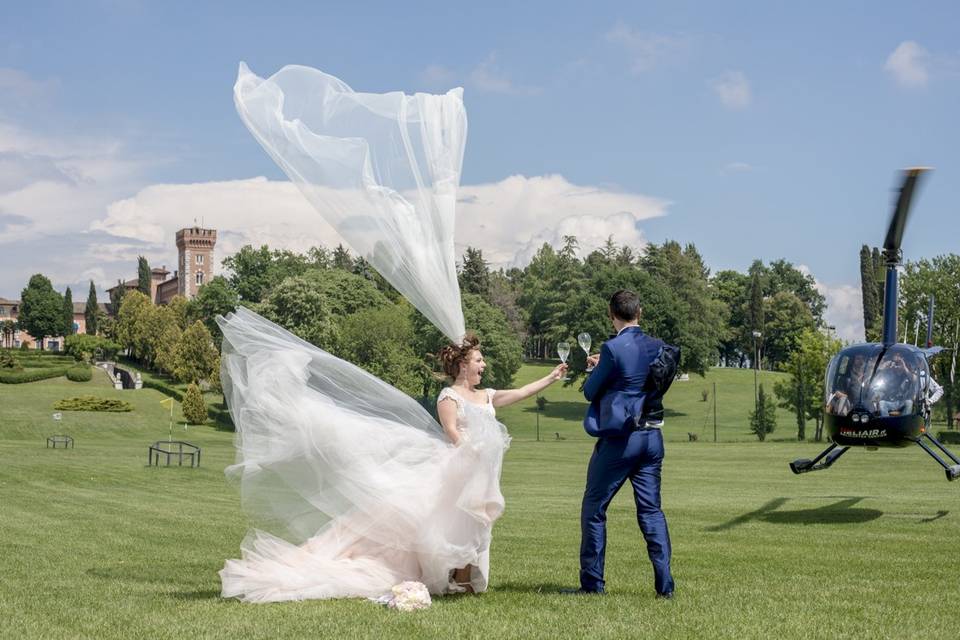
<point>436,75</point>
<point>255,211</point>
<point>509,220</point>
<point>646,50</point>
<point>486,77</point>
<point>908,65</point>
<point>17,86</point>
<point>733,89</point>
<point>737,167</point>
<point>844,307</point>
<point>512,218</point>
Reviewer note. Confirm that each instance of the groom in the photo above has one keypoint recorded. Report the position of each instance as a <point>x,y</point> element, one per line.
<point>628,446</point>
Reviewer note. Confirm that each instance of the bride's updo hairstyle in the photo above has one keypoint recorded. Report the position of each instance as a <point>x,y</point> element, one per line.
<point>453,355</point>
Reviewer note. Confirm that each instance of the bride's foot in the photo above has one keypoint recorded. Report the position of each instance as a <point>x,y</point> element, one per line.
<point>461,577</point>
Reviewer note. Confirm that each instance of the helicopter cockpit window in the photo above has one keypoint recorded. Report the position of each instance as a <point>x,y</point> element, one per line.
<point>897,384</point>
<point>848,376</point>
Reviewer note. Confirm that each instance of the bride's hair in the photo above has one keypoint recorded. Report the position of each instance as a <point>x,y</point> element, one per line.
<point>452,355</point>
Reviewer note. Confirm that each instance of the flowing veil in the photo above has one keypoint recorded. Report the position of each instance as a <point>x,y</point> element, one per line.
<point>382,169</point>
<point>351,484</point>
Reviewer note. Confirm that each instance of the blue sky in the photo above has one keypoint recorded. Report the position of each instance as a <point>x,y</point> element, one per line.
<point>754,130</point>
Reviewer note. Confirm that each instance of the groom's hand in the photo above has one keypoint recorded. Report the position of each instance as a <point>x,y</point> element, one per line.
<point>593,360</point>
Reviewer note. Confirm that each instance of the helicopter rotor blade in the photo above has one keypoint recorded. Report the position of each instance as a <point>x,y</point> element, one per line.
<point>898,221</point>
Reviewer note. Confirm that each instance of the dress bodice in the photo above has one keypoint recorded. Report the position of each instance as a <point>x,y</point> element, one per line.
<point>468,412</point>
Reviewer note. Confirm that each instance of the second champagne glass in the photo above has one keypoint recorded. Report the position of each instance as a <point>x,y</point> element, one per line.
<point>585,341</point>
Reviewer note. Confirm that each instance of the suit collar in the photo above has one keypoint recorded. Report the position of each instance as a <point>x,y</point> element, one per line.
<point>628,329</point>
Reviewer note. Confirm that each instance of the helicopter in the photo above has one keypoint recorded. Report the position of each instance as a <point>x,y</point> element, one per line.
<point>875,394</point>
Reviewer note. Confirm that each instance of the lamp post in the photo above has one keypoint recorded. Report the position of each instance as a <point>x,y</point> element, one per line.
<point>756,357</point>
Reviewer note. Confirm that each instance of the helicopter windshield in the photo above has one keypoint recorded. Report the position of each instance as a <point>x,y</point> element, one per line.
<point>897,383</point>
<point>848,377</point>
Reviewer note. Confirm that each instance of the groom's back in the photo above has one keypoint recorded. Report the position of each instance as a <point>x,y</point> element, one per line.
<point>618,398</point>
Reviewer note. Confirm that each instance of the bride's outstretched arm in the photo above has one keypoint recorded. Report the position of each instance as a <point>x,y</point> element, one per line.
<point>508,396</point>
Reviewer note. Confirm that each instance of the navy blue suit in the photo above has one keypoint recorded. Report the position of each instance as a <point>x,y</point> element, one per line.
<point>623,451</point>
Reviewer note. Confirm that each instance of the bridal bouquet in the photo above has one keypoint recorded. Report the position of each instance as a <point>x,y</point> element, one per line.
<point>409,596</point>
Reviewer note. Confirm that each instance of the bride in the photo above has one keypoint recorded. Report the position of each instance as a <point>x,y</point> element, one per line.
<point>360,499</point>
<point>352,485</point>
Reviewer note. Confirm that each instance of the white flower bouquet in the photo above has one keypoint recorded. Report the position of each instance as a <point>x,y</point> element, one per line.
<point>409,596</point>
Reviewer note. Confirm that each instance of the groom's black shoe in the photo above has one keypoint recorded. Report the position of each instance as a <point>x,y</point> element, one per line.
<point>582,592</point>
<point>665,596</point>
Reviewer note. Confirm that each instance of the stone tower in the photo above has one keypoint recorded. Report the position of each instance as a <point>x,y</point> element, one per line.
<point>195,246</point>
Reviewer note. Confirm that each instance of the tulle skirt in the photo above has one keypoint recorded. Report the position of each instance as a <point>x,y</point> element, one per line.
<point>351,484</point>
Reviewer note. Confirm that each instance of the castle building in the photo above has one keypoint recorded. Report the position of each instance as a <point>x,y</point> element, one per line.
<point>195,267</point>
<point>195,246</point>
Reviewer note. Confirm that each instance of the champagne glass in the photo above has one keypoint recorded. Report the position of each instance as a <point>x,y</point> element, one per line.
<point>563,350</point>
<point>585,341</point>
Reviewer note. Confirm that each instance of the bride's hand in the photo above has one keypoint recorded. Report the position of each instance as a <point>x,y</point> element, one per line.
<point>558,373</point>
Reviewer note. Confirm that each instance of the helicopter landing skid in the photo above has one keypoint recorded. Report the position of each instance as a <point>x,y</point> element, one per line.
<point>952,471</point>
<point>826,458</point>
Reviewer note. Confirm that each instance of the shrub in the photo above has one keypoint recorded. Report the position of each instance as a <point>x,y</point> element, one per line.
<point>949,437</point>
<point>31,375</point>
<point>92,403</point>
<point>9,362</point>
<point>82,373</point>
<point>83,347</point>
<point>194,408</point>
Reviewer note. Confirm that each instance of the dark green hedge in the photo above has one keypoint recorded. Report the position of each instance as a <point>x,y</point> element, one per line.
<point>32,375</point>
<point>949,437</point>
<point>92,403</point>
<point>80,374</point>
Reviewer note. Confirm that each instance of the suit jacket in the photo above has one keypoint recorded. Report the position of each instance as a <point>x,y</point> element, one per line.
<point>615,388</point>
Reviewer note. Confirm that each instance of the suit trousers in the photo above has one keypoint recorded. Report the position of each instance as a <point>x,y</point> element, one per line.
<point>637,456</point>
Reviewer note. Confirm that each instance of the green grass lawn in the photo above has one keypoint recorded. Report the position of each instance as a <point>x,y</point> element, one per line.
<point>95,544</point>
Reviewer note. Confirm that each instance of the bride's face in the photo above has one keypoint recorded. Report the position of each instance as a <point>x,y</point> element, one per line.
<point>472,368</point>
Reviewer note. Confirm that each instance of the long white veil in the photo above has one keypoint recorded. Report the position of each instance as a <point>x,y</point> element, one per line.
<point>382,169</point>
<point>351,483</point>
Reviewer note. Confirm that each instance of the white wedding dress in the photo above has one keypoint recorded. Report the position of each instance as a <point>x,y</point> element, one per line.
<point>353,486</point>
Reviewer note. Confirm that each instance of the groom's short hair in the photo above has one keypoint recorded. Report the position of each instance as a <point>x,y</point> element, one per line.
<point>625,305</point>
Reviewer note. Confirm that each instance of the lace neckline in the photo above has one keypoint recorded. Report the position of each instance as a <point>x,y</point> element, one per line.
<point>476,404</point>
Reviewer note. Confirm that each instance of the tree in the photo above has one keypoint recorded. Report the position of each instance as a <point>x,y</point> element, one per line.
<point>9,327</point>
<point>680,305</point>
<point>783,276</point>
<point>255,272</point>
<point>341,259</point>
<point>940,277</point>
<point>167,339</point>
<point>501,349</point>
<point>193,407</point>
<point>143,276</point>
<point>92,311</point>
<point>311,305</point>
<point>802,392</point>
<point>216,298</point>
<point>731,288</point>
<point>763,419</point>
<point>116,297</point>
<point>868,291</point>
<point>132,324</point>
<point>195,357</point>
<point>786,318</point>
<point>380,341</point>
<point>68,313</point>
<point>41,309</point>
<point>474,273</point>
